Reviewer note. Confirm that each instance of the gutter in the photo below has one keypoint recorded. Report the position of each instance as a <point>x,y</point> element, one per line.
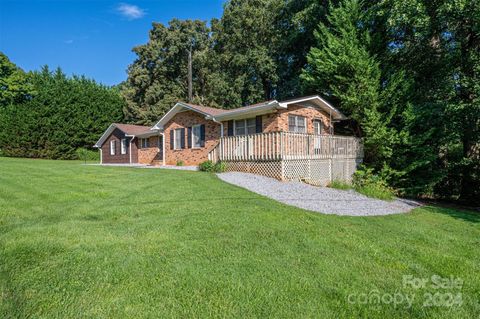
<point>270,105</point>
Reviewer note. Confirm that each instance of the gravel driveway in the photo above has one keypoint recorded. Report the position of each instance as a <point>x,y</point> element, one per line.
<point>319,199</point>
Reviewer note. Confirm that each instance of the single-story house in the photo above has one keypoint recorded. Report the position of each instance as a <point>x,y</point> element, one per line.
<point>271,131</point>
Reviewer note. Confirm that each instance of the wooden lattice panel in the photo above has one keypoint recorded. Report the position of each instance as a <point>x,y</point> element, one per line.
<point>266,168</point>
<point>315,171</point>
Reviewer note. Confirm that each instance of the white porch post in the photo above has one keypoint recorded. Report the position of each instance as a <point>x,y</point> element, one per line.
<point>163,148</point>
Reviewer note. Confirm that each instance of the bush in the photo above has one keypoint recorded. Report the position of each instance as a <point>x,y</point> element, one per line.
<point>340,185</point>
<point>209,166</point>
<point>180,163</point>
<point>206,166</point>
<point>219,167</point>
<point>84,154</point>
<point>372,185</point>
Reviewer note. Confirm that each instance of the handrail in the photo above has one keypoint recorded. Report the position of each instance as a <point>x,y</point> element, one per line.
<point>285,145</point>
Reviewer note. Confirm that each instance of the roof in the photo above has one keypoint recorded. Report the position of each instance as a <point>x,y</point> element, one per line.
<point>131,129</point>
<point>206,109</point>
<point>250,110</point>
<point>128,129</point>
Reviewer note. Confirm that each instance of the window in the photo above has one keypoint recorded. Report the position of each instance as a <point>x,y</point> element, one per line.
<point>144,143</point>
<point>177,140</point>
<point>317,127</point>
<point>112,147</point>
<point>196,136</point>
<point>244,127</point>
<point>123,146</point>
<point>296,123</point>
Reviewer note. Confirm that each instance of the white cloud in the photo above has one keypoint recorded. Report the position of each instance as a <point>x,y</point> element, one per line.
<point>130,11</point>
<point>69,41</point>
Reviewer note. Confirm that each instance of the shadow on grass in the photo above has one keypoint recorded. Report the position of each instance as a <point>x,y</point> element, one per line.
<point>469,216</point>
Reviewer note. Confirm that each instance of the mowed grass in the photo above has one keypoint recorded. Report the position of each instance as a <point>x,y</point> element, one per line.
<point>82,241</point>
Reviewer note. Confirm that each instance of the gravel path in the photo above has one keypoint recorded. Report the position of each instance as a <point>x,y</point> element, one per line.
<point>319,199</point>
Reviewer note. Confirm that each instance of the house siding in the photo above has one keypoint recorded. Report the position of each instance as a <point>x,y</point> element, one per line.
<point>149,154</point>
<point>118,158</point>
<point>278,121</point>
<point>190,156</point>
<point>310,113</point>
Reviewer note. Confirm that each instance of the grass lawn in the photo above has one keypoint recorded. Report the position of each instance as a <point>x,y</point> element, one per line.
<point>112,242</point>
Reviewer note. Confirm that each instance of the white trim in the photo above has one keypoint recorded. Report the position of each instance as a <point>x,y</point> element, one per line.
<point>101,156</point>
<point>123,146</point>
<point>163,148</point>
<point>254,110</point>
<point>113,147</point>
<point>104,136</point>
<point>173,111</point>
<point>175,139</point>
<point>199,138</point>
<point>338,115</point>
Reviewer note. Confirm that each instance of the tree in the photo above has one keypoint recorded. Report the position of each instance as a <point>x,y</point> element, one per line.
<point>158,77</point>
<point>14,87</point>
<point>341,67</point>
<point>65,114</point>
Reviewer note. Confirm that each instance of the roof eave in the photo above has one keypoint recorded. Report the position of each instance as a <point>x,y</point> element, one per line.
<point>254,110</point>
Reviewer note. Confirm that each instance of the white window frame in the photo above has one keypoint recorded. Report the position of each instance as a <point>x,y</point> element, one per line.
<point>296,126</point>
<point>320,123</point>
<point>245,130</point>
<point>177,131</point>
<point>123,146</point>
<point>112,147</point>
<point>199,127</point>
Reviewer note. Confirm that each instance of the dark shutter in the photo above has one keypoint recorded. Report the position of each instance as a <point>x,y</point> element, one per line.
<point>182,137</point>
<point>258,124</point>
<point>189,137</point>
<point>202,135</point>
<point>171,138</point>
<point>230,128</point>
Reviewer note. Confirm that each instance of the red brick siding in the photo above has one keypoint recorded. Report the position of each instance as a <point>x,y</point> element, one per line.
<point>118,158</point>
<point>151,153</point>
<point>310,113</point>
<point>278,121</point>
<point>190,156</point>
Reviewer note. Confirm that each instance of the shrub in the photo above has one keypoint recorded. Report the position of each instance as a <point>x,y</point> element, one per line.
<point>372,185</point>
<point>219,167</point>
<point>206,166</point>
<point>209,166</point>
<point>87,155</point>
<point>180,163</point>
<point>340,185</point>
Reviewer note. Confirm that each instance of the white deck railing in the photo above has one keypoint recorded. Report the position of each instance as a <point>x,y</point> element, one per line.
<point>284,146</point>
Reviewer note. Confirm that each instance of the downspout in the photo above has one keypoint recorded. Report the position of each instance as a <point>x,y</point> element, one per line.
<point>101,156</point>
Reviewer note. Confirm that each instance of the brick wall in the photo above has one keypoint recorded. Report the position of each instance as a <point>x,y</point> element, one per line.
<point>118,158</point>
<point>310,113</point>
<point>278,121</point>
<point>190,156</point>
<point>151,153</point>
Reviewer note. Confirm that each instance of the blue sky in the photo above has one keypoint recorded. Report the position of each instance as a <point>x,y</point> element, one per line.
<point>90,37</point>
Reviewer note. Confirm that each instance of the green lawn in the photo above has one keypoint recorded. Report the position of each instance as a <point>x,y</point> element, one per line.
<point>110,242</point>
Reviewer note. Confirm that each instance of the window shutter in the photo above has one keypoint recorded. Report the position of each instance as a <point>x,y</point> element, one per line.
<point>189,137</point>
<point>171,138</point>
<point>182,137</point>
<point>258,124</point>
<point>202,135</point>
<point>230,128</point>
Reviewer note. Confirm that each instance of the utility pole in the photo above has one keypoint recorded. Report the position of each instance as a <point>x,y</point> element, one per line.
<point>190,88</point>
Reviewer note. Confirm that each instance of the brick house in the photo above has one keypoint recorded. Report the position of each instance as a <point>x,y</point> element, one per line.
<point>249,136</point>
